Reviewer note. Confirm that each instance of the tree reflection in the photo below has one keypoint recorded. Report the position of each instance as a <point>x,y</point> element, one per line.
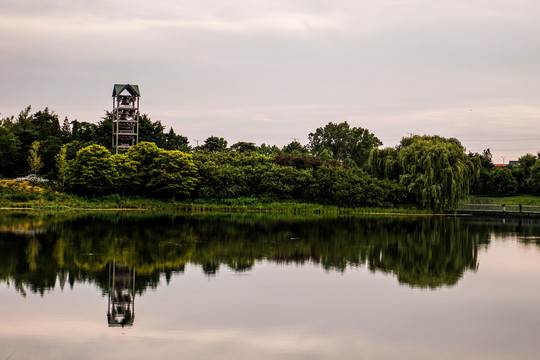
<point>427,252</point>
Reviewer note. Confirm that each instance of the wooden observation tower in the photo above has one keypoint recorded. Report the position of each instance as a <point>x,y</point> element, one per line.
<point>125,132</point>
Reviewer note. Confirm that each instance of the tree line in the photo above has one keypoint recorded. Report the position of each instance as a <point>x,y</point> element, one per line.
<point>340,165</point>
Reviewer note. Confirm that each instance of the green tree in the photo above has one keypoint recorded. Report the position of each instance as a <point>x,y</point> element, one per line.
<point>230,174</point>
<point>502,182</point>
<point>66,131</point>
<point>480,185</point>
<point>9,150</point>
<point>285,182</point>
<point>47,124</point>
<point>62,165</point>
<point>268,149</point>
<point>126,168</point>
<point>34,160</point>
<point>214,144</point>
<point>103,131</point>
<point>523,181</point>
<point>176,142</point>
<point>535,178</point>
<point>526,162</point>
<point>352,187</point>
<point>151,131</point>
<point>295,148</point>
<point>343,142</point>
<point>173,173</point>
<point>142,157</point>
<point>43,126</point>
<point>384,163</point>
<point>298,161</point>
<point>49,147</point>
<point>92,171</point>
<point>243,146</point>
<point>436,170</point>
<point>86,133</point>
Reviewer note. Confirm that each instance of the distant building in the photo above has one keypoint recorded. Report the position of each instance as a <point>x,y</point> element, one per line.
<point>510,163</point>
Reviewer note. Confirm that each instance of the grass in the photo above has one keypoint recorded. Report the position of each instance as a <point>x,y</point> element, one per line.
<point>15,195</point>
<point>531,200</point>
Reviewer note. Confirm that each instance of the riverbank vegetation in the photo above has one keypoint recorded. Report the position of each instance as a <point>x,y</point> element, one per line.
<point>341,166</point>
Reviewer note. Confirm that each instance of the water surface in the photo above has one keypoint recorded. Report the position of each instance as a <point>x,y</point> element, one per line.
<point>131,286</point>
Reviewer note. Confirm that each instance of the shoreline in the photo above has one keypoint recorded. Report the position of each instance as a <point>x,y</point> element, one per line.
<point>261,208</point>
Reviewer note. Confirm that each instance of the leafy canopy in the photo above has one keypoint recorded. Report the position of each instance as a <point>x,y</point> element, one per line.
<point>92,171</point>
<point>435,170</point>
<point>343,142</point>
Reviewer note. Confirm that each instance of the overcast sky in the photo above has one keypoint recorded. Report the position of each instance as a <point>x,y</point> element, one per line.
<point>268,71</point>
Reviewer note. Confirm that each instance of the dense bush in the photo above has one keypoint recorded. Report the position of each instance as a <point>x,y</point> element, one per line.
<point>291,177</point>
<point>143,169</point>
<point>92,171</point>
<point>502,182</point>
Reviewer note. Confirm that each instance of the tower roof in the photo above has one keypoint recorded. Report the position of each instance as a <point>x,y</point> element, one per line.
<point>132,89</point>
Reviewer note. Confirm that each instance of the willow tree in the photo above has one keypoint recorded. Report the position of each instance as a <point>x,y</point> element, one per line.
<point>384,163</point>
<point>435,170</point>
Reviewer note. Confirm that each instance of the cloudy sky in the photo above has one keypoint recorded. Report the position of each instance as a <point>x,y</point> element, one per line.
<point>269,71</point>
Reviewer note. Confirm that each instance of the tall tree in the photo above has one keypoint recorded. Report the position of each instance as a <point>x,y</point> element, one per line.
<point>86,133</point>
<point>295,148</point>
<point>151,131</point>
<point>526,162</point>
<point>62,164</point>
<point>176,142</point>
<point>535,178</point>
<point>34,160</point>
<point>243,146</point>
<point>436,170</point>
<point>343,142</point>
<point>9,150</point>
<point>480,185</point>
<point>214,144</point>
<point>384,163</point>
<point>66,131</point>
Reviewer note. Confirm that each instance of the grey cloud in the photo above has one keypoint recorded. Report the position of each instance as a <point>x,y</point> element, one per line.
<point>397,66</point>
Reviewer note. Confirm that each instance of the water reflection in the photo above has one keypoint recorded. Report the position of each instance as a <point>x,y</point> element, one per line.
<point>36,253</point>
<point>327,305</point>
<point>427,252</point>
<point>121,295</point>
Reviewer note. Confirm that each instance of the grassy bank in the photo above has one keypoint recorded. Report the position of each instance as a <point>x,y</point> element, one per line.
<point>24,195</point>
<point>531,200</point>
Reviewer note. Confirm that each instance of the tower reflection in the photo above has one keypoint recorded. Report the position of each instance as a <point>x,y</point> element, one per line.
<point>121,304</point>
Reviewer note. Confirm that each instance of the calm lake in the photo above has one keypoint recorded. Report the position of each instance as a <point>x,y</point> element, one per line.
<point>143,286</point>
